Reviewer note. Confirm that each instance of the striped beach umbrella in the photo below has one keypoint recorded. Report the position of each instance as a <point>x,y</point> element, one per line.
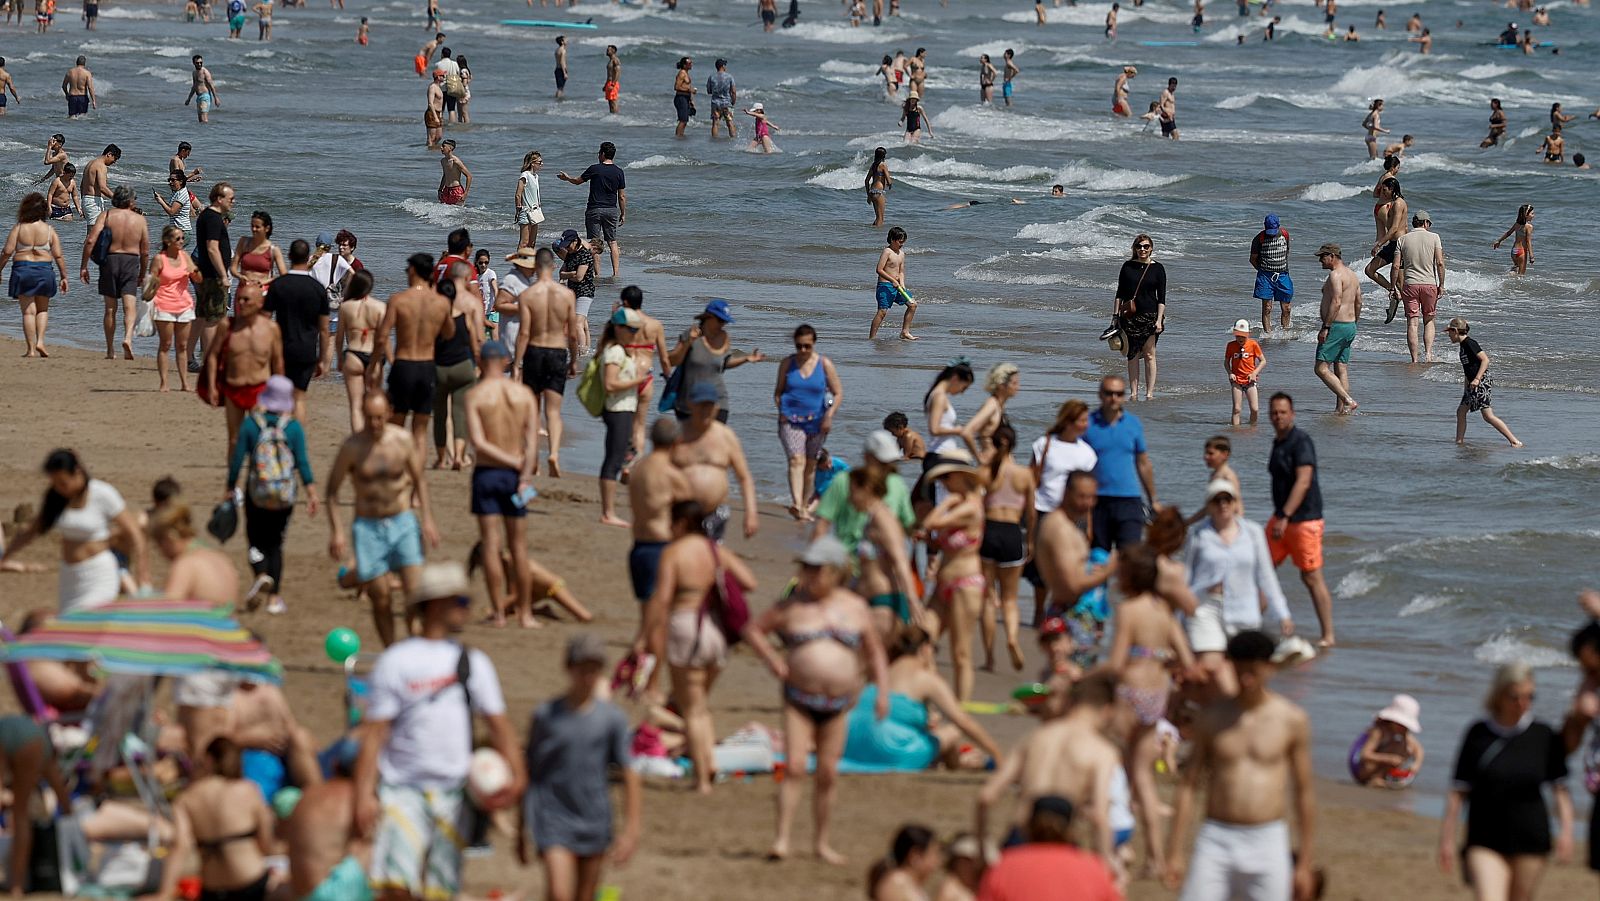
<point>153,638</point>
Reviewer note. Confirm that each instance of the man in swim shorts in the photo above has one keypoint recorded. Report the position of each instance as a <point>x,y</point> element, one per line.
<point>238,365</point>
<point>202,90</point>
<point>1168,110</point>
<point>561,66</point>
<point>385,468</point>
<point>1011,71</point>
<point>425,55</point>
<point>433,110</point>
<point>1341,309</point>
<point>613,87</point>
<point>122,270</point>
<point>78,85</point>
<point>891,288</point>
<point>501,413</point>
<point>549,338</point>
<point>1269,254</point>
<point>1249,749</point>
<point>655,484</point>
<point>454,179</point>
<point>418,316</point>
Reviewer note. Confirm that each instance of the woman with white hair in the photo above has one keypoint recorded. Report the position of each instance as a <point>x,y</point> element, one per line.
<point>1504,764</point>
<point>1003,382</point>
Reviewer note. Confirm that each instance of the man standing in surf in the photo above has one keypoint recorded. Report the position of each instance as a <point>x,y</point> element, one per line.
<point>454,179</point>
<point>1341,309</point>
<point>613,87</point>
<point>892,286</point>
<point>1167,109</point>
<point>1295,528</point>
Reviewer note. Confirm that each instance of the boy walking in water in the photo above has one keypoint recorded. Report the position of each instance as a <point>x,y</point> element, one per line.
<point>1244,363</point>
<point>892,285</point>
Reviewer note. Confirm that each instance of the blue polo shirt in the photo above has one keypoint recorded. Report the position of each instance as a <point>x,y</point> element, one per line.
<point>1118,445</point>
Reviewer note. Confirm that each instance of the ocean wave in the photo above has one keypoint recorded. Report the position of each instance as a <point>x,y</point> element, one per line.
<point>175,52</point>
<point>842,67</point>
<point>1101,233</point>
<point>672,259</point>
<point>171,76</point>
<point>659,161</point>
<point>830,33</point>
<point>118,12</point>
<point>1356,583</point>
<point>1425,603</point>
<point>952,168</point>
<point>1289,25</point>
<point>445,215</point>
<point>1508,648</point>
<point>1486,70</point>
<point>1322,192</point>
<point>1567,463</point>
<point>1095,14</point>
<point>996,50</point>
<point>624,42</point>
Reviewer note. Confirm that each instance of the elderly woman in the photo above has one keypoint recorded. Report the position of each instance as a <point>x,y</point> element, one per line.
<point>807,396</point>
<point>31,247</point>
<point>89,514</point>
<point>1230,571</point>
<point>677,629</point>
<point>828,636</point>
<point>1504,764</point>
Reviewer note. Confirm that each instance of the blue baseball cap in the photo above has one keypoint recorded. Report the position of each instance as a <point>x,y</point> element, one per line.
<point>325,239</point>
<point>494,350</point>
<point>719,309</point>
<point>703,393</point>
<point>1271,225</point>
<point>567,237</point>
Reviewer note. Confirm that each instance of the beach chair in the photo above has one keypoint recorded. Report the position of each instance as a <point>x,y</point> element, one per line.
<point>132,869</point>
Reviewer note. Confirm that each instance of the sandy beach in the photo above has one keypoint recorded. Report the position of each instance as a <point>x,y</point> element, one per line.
<point>694,847</point>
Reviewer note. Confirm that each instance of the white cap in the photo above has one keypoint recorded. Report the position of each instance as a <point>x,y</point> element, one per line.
<point>882,447</point>
<point>757,108</point>
<point>1242,328</point>
<point>1221,486</point>
<point>825,551</point>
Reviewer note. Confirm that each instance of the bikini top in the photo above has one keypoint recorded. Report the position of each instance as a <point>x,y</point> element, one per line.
<point>256,262</point>
<point>215,846</point>
<point>1141,652</point>
<point>35,248</point>
<point>957,540</point>
<point>847,637</point>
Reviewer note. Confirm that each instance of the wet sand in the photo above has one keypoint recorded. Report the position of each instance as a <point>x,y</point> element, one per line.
<point>694,847</point>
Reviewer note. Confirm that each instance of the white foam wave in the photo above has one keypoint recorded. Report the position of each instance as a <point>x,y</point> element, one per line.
<point>446,215</point>
<point>1568,463</point>
<point>841,67</point>
<point>1095,14</point>
<point>261,54</point>
<point>1252,31</point>
<point>950,168</point>
<point>1323,192</point>
<point>1508,648</point>
<point>623,42</point>
<point>171,76</point>
<point>121,12</point>
<point>997,49</point>
<point>1102,233</point>
<point>174,52</point>
<point>1080,174</point>
<point>830,33</point>
<point>659,161</point>
<point>1356,583</point>
<point>672,259</point>
<point>1486,70</point>
<point>849,178</point>
<point>1425,603</point>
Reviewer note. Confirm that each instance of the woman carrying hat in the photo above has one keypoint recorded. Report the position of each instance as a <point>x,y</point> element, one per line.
<point>705,351</point>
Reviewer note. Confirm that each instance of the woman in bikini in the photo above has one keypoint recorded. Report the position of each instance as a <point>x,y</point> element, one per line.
<point>986,76</point>
<point>1008,516</point>
<point>1002,383</point>
<point>884,575</point>
<point>957,523</point>
<point>1373,124</point>
<point>676,628</point>
<point>828,634</point>
<point>1148,641</point>
<point>878,184</point>
<point>359,318</point>
<point>1522,245</point>
<point>256,259</point>
<point>223,817</point>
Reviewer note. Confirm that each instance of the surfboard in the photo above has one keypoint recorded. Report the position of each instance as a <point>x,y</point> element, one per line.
<point>1169,43</point>
<point>540,23</point>
<point>1519,46</point>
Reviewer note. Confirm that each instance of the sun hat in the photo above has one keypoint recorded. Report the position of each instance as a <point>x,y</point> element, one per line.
<point>438,581</point>
<point>1270,225</point>
<point>703,393</point>
<point>1403,710</point>
<point>955,460</point>
<point>757,108</point>
<point>1242,328</point>
<point>279,395</point>
<point>826,550</point>
<point>628,317</point>
<point>526,255</point>
<point>881,446</point>
<point>1219,487</point>
<point>1293,651</point>
<point>585,647</point>
<point>719,309</point>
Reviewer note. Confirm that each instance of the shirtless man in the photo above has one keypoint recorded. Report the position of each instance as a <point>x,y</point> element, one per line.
<point>1062,549</point>
<point>613,86</point>
<point>547,345</point>
<point>385,466</point>
<point>425,55</point>
<point>1389,218</point>
<point>1069,757</point>
<point>64,200</point>
<point>504,429</point>
<point>1249,748</point>
<point>1119,92</point>
<point>95,188</point>
<point>433,110</point>
<point>454,179</point>
<point>655,485</point>
<point>1341,309</point>
<point>327,859</point>
<point>55,156</point>
<point>180,162</point>
<point>262,721</point>
<point>78,85</point>
<point>6,84</point>
<point>202,90</point>
<point>1167,110</point>
<point>649,346</point>
<point>561,67</point>
<point>705,452</point>
<point>122,273</point>
<point>891,286</point>
<point>236,369</point>
<point>418,316</point>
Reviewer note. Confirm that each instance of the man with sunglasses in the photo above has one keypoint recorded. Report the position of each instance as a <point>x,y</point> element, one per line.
<point>1122,468</point>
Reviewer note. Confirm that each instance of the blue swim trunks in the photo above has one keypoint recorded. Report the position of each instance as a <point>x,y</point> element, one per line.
<point>1274,286</point>
<point>1005,90</point>
<point>889,295</point>
<point>386,545</point>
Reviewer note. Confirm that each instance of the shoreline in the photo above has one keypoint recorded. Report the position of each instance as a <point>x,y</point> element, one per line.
<point>124,430</point>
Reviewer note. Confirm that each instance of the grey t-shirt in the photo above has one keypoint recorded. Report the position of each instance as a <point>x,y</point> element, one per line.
<point>569,756</point>
<point>1417,249</point>
<point>701,365</point>
<point>720,87</point>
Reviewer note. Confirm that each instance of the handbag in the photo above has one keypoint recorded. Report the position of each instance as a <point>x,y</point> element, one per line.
<point>102,246</point>
<point>536,215</point>
<point>152,284</point>
<point>724,602</point>
<point>224,520</point>
<point>669,392</point>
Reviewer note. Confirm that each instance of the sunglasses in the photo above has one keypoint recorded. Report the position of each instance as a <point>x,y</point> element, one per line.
<point>1143,246</point>
<point>799,346</point>
<point>1108,393</point>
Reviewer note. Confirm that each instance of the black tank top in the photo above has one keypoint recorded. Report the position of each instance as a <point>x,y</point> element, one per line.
<point>458,347</point>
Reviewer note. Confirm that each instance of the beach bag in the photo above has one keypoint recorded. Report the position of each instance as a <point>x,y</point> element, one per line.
<point>454,87</point>
<point>102,246</point>
<point>271,481</point>
<point>724,603</point>
<point>669,392</point>
<point>591,387</point>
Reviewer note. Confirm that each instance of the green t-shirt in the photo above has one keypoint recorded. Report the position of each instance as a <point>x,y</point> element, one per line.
<point>848,522</point>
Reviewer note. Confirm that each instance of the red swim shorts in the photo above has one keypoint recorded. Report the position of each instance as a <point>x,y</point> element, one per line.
<point>455,195</point>
<point>613,90</point>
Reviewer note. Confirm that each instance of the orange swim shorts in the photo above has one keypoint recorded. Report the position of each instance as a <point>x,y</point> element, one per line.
<point>613,90</point>
<point>1301,542</point>
<point>421,63</point>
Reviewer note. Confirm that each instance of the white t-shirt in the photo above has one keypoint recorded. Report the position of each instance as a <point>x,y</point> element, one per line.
<point>330,271</point>
<point>626,400</point>
<point>92,521</point>
<point>1064,458</point>
<point>448,67</point>
<point>487,287</point>
<point>511,326</point>
<point>413,685</point>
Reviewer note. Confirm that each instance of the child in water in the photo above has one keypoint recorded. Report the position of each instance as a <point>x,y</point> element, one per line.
<point>361,32</point>
<point>1389,755</point>
<point>764,130</point>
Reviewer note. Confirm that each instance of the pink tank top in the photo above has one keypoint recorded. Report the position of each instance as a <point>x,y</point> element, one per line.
<point>173,296</point>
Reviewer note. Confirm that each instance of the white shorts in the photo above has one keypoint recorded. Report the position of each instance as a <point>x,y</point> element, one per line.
<point>583,305</point>
<point>185,316</point>
<point>93,583</point>
<point>204,690</point>
<point>1208,631</point>
<point>1240,863</point>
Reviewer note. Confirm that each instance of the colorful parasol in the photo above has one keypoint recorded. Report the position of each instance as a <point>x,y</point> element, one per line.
<point>151,637</point>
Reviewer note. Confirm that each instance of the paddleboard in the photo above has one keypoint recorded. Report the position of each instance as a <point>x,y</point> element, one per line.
<point>1169,43</point>
<point>1519,46</point>
<point>539,23</point>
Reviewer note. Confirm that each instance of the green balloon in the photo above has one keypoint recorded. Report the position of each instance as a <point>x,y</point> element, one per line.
<point>341,644</point>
